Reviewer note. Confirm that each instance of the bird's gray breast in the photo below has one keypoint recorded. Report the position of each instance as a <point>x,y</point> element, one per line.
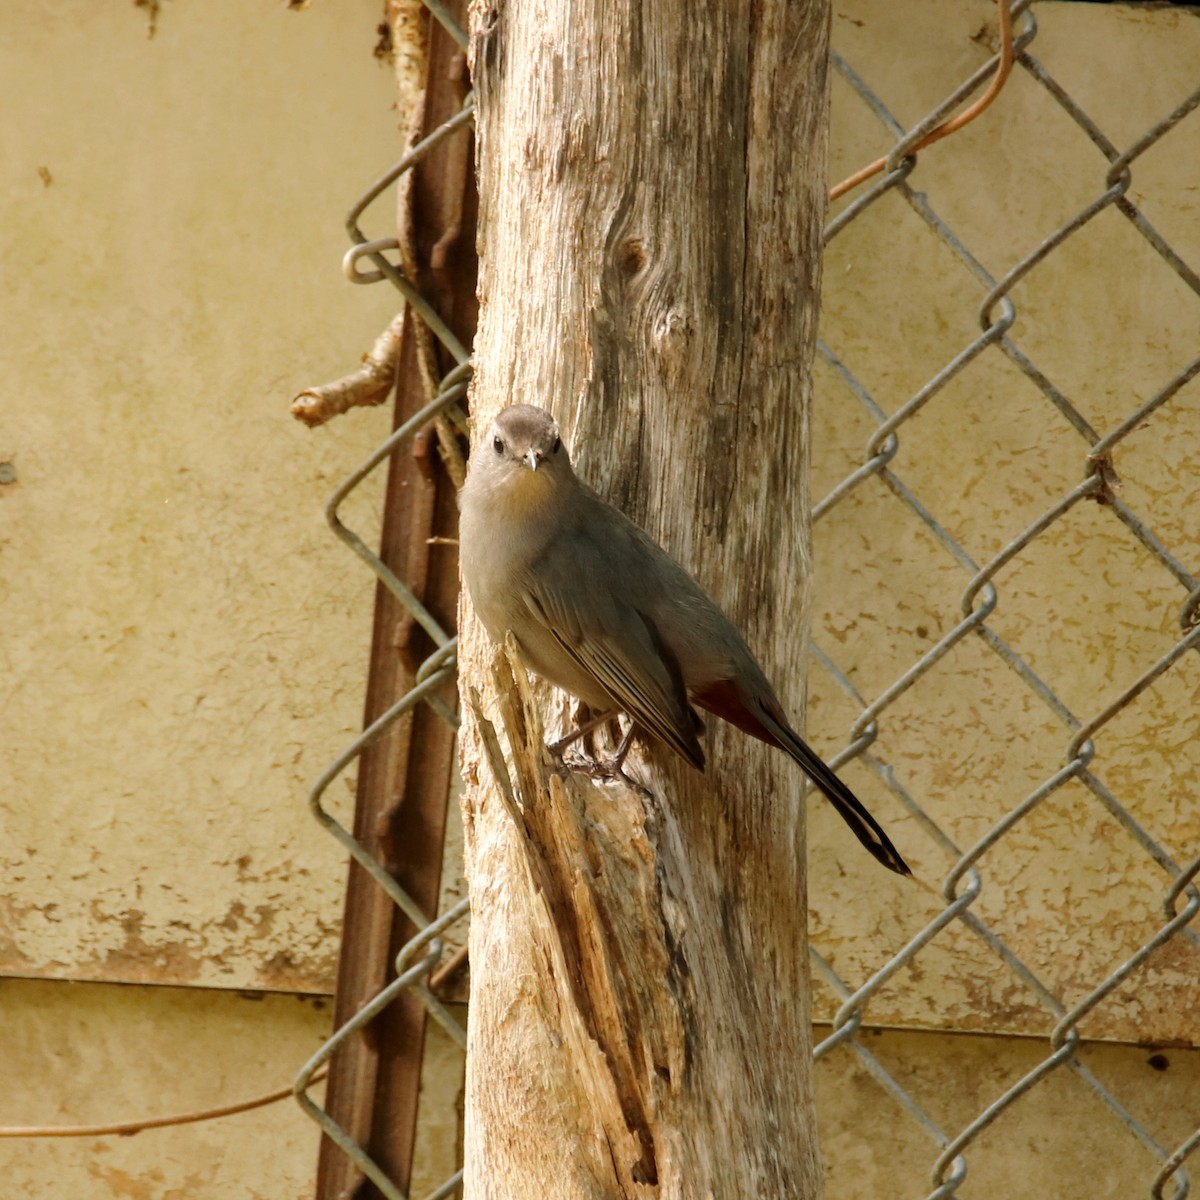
<point>504,566</point>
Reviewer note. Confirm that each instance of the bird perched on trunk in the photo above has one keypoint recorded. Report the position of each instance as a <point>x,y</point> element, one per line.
<point>599,609</point>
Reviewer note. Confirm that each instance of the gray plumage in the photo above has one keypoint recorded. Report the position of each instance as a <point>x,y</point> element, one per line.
<point>599,609</point>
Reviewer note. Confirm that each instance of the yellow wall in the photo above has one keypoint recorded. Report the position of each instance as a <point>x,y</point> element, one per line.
<point>186,640</point>
<point>184,644</point>
<point>83,1053</point>
<point>1085,604</point>
<point>1058,1141</point>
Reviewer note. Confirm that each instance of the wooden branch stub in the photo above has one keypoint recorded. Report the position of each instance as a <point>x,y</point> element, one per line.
<point>368,384</point>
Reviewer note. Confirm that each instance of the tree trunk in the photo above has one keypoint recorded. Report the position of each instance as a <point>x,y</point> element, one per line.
<point>652,183</point>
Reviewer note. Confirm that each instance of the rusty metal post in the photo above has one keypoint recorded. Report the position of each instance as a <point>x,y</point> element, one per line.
<point>404,778</point>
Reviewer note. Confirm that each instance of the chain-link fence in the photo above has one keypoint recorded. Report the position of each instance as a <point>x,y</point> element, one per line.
<point>995,628</point>
<point>1082,465</point>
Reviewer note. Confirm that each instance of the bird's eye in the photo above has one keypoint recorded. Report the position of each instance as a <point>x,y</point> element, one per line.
<point>557,446</point>
<point>498,445</point>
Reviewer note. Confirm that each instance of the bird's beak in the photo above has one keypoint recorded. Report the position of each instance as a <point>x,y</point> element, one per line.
<point>534,459</point>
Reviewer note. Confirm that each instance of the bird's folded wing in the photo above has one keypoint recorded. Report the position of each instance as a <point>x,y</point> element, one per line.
<point>619,647</point>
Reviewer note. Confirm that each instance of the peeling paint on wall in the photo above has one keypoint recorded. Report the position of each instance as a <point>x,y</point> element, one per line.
<point>185,644</point>
<point>1068,888</point>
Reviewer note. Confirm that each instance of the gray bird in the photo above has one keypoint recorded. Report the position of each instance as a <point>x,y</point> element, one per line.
<point>603,612</point>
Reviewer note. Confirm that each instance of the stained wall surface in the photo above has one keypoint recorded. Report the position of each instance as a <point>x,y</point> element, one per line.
<point>87,1053</point>
<point>1085,606</point>
<point>182,643</point>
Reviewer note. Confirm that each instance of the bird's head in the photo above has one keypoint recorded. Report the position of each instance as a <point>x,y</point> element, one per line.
<point>522,458</point>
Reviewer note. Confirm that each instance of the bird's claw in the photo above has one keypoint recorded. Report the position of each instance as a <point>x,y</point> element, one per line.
<point>603,771</point>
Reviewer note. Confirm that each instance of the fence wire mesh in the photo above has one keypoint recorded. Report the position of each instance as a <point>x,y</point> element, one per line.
<point>975,590</point>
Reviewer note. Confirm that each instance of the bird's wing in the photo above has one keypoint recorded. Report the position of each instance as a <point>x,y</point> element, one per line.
<point>572,596</point>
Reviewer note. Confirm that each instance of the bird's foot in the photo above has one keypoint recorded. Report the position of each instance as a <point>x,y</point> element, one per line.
<point>606,770</point>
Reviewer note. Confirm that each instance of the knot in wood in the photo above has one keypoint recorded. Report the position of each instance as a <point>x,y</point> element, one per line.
<point>631,257</point>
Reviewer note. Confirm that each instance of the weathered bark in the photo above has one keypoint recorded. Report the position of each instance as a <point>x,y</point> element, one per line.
<point>652,185</point>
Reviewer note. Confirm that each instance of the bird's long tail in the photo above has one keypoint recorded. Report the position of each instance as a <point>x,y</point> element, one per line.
<point>767,722</point>
<point>852,811</point>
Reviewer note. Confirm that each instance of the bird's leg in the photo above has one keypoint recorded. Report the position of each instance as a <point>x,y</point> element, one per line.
<point>587,741</point>
<point>613,729</point>
<point>583,729</point>
<point>617,764</point>
<point>612,725</point>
